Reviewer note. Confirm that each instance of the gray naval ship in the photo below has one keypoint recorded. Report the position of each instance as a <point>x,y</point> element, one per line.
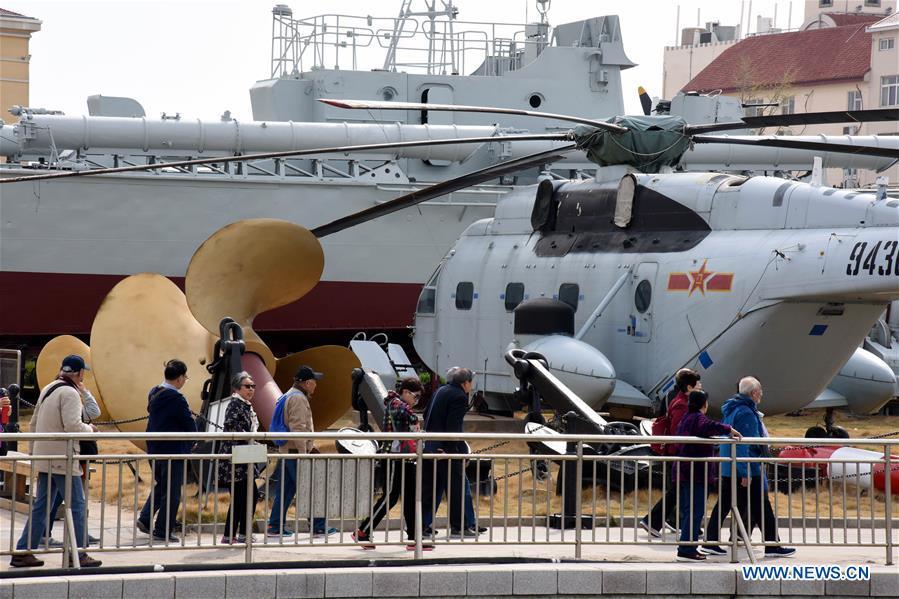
<point>85,234</point>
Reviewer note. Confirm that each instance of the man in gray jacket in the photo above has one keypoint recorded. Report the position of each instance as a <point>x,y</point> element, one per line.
<point>58,410</point>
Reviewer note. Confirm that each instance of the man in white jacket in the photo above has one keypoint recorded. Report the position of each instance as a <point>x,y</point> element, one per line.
<point>58,410</point>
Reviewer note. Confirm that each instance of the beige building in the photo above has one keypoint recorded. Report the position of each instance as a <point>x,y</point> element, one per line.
<point>15,33</point>
<point>835,61</point>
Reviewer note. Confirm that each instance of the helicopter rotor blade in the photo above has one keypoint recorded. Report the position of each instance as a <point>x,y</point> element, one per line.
<point>786,142</point>
<point>562,136</point>
<point>373,105</point>
<point>442,188</point>
<point>645,100</point>
<point>808,118</point>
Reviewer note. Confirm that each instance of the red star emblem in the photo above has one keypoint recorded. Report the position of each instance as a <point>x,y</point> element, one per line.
<point>699,278</point>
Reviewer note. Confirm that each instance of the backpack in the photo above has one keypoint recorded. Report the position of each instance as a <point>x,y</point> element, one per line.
<point>278,424</point>
<point>660,428</point>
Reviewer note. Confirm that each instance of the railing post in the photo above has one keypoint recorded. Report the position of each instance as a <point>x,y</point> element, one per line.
<point>578,477</point>
<point>70,542</point>
<point>419,464</point>
<point>249,525</point>
<point>888,510</point>
<point>734,511</point>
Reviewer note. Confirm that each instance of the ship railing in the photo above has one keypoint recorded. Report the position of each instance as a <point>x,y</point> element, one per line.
<point>563,502</point>
<point>409,44</point>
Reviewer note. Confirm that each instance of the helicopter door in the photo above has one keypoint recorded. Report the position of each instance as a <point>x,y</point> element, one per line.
<point>642,290</point>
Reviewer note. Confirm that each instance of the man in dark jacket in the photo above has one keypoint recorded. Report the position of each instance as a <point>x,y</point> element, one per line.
<point>169,413</point>
<point>664,512</point>
<point>446,413</point>
<point>741,412</point>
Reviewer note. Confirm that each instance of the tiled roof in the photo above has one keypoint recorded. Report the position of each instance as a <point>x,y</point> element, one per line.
<point>843,18</point>
<point>801,58</point>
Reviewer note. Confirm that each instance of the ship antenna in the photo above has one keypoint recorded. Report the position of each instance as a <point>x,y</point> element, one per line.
<point>543,10</point>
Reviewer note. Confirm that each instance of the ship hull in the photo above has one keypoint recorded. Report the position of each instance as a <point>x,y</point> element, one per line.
<point>64,244</point>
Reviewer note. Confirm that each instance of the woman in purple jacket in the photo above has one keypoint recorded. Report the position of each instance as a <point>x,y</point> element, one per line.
<point>693,477</point>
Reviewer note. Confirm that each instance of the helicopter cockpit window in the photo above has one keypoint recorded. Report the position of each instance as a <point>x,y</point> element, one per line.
<point>643,296</point>
<point>427,301</point>
<point>513,296</point>
<point>464,295</point>
<point>569,293</point>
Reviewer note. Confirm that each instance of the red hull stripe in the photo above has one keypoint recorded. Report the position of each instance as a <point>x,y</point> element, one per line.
<point>56,304</point>
<point>720,282</point>
<point>678,281</point>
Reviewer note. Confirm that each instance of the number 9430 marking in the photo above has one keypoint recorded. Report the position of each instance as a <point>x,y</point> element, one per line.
<point>881,259</point>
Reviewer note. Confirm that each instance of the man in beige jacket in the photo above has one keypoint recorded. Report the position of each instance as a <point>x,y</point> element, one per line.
<point>298,418</point>
<point>58,410</point>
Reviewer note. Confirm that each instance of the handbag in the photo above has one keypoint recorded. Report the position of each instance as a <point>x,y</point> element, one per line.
<point>88,447</point>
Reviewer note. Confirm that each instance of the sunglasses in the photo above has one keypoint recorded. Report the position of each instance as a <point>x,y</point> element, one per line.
<point>247,386</point>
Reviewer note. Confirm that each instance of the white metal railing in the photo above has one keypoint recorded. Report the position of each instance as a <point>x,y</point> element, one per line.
<point>614,492</point>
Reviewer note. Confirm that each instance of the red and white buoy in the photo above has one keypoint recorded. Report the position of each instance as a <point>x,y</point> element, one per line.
<point>861,471</point>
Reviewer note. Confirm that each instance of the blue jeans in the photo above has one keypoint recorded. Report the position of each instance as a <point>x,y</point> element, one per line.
<point>457,476</point>
<point>287,473</point>
<point>691,515</point>
<point>49,489</point>
<point>167,476</point>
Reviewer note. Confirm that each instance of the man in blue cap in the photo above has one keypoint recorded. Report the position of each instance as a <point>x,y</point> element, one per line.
<point>297,418</point>
<point>58,410</point>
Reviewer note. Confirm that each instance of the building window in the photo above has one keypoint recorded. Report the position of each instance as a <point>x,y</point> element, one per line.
<point>872,2</point>
<point>788,105</point>
<point>889,90</point>
<point>888,43</point>
<point>855,100</point>
<point>825,3</point>
<point>850,130</point>
<point>570,293</point>
<point>513,296</point>
<point>464,295</point>
<point>751,110</point>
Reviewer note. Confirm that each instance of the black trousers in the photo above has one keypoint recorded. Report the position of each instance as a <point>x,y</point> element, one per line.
<point>755,509</point>
<point>665,509</point>
<point>400,483</point>
<point>238,509</point>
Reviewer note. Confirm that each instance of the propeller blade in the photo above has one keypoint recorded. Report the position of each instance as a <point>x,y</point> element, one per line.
<point>808,118</point>
<point>645,100</point>
<point>277,262</point>
<point>51,356</point>
<point>333,395</point>
<point>564,136</point>
<point>366,105</point>
<point>786,142</point>
<point>439,189</point>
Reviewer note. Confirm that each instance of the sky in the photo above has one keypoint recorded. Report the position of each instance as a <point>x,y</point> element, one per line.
<point>200,57</point>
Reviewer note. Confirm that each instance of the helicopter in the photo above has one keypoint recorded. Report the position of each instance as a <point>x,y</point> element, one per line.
<point>726,273</point>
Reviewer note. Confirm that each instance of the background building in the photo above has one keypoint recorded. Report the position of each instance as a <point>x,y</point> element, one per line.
<point>834,61</point>
<point>15,33</point>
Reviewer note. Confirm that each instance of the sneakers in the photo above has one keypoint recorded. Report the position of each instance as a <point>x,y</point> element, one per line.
<point>712,550</point>
<point>363,540</point>
<point>325,532</point>
<point>25,560</point>
<point>228,541</point>
<point>675,530</point>
<point>144,528</point>
<point>86,561</point>
<point>690,557</point>
<point>274,532</point>
<point>51,542</point>
<point>424,546</point>
<point>644,524</point>
<point>243,538</point>
<point>779,551</point>
<point>428,532</point>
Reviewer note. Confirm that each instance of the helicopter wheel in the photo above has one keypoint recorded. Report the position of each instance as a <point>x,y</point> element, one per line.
<point>837,432</point>
<point>816,432</point>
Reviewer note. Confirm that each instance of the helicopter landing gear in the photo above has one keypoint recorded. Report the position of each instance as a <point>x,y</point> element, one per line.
<point>828,431</point>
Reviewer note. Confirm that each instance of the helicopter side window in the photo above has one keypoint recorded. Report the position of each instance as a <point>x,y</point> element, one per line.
<point>464,295</point>
<point>643,296</point>
<point>514,295</point>
<point>427,301</point>
<point>569,293</point>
